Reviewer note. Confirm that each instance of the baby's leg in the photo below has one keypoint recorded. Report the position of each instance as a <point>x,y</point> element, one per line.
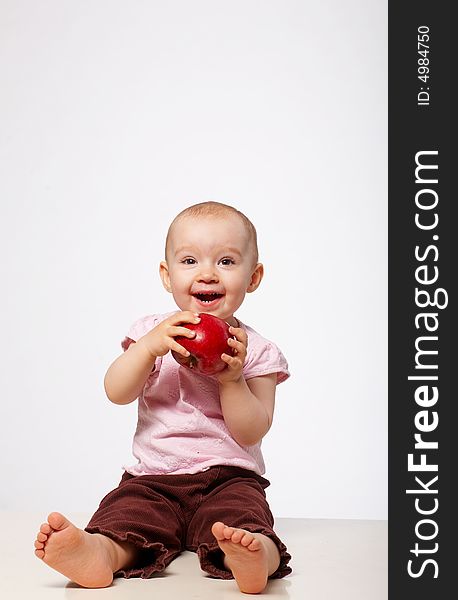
<point>89,559</point>
<point>251,557</point>
<point>241,543</point>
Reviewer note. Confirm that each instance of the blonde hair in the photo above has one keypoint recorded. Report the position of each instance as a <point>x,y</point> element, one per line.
<point>217,210</point>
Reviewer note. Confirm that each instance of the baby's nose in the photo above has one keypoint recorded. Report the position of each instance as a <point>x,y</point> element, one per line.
<point>207,275</point>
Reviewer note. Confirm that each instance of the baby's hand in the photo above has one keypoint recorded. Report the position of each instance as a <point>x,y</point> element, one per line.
<point>161,339</point>
<point>234,363</point>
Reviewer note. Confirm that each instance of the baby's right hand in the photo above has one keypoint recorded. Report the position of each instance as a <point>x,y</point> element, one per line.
<point>161,339</point>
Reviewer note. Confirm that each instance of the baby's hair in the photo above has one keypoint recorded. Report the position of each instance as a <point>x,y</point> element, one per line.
<point>218,210</point>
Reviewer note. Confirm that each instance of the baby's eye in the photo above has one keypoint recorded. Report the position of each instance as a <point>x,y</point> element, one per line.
<point>189,261</point>
<point>227,261</point>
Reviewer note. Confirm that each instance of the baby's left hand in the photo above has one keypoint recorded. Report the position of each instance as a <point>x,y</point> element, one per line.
<point>235,363</point>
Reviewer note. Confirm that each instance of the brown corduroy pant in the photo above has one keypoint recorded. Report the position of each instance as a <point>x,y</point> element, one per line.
<point>165,514</point>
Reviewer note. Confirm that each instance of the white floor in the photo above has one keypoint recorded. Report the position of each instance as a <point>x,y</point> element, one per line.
<point>332,559</point>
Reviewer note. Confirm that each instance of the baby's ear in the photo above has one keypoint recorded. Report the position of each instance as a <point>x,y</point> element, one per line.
<point>165,277</point>
<point>256,278</point>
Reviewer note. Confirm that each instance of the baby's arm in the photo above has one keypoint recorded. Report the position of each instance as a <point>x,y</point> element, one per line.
<point>247,406</point>
<point>127,375</point>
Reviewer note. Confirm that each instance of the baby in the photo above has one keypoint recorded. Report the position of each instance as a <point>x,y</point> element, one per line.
<point>197,484</point>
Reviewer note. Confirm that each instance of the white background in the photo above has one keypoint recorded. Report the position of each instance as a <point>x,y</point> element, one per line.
<point>115,116</point>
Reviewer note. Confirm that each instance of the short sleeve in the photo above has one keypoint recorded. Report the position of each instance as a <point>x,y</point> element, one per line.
<point>264,358</point>
<point>139,328</point>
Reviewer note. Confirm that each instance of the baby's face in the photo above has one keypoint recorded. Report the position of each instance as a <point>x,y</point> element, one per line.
<point>210,265</point>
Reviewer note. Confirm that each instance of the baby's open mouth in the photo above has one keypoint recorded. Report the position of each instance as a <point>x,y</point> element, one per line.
<point>208,297</point>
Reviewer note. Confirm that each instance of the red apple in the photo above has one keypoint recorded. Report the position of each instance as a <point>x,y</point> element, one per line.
<point>206,347</point>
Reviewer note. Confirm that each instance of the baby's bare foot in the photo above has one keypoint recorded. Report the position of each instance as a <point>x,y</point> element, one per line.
<point>82,557</point>
<point>251,557</point>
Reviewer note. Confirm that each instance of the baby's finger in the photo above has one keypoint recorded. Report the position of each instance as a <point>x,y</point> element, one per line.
<point>239,347</point>
<point>232,361</point>
<point>185,316</point>
<point>239,333</point>
<point>175,346</point>
<point>183,331</point>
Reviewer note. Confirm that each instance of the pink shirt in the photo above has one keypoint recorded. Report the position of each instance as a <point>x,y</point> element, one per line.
<point>180,425</point>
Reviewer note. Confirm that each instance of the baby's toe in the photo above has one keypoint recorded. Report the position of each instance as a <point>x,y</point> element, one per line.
<point>255,545</point>
<point>218,530</point>
<point>45,528</point>
<point>247,539</point>
<point>237,536</point>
